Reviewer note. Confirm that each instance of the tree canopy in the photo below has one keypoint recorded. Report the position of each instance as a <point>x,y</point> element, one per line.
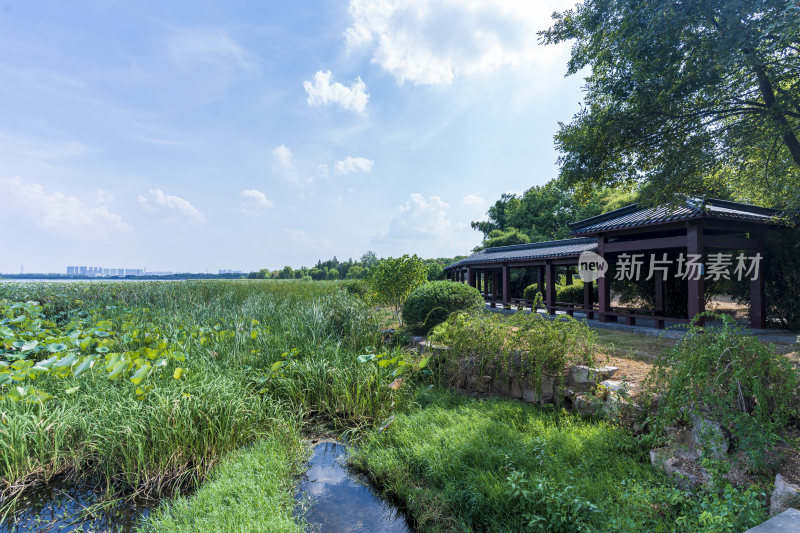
<point>542,213</point>
<point>685,96</point>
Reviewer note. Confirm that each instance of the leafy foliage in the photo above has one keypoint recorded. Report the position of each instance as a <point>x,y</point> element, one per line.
<point>728,377</point>
<point>430,304</point>
<point>691,97</point>
<point>542,212</point>
<point>117,348</point>
<point>544,346</point>
<point>393,279</point>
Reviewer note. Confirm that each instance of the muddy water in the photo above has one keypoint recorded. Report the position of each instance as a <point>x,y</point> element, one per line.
<point>62,508</point>
<point>334,499</point>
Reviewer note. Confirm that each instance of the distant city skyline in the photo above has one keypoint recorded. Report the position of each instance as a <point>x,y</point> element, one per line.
<point>194,136</point>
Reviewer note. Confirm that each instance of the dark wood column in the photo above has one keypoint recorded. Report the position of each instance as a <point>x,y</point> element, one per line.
<point>506,281</point>
<point>758,305</point>
<point>694,245</point>
<point>494,287</point>
<point>471,278</point>
<point>485,279</point>
<point>550,287</point>
<point>661,308</point>
<point>587,298</point>
<point>568,276</point>
<point>540,281</point>
<point>604,287</point>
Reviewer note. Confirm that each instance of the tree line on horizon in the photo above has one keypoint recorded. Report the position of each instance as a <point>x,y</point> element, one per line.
<point>333,269</point>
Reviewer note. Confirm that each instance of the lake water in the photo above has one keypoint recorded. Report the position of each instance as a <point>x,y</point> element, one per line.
<point>337,500</point>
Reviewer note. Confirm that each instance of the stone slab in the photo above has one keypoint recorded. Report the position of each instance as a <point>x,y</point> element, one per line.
<point>786,522</point>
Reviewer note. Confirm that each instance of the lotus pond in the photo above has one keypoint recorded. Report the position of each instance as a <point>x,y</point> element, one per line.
<point>195,400</point>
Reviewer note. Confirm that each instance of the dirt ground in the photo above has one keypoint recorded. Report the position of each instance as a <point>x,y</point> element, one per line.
<point>634,353</point>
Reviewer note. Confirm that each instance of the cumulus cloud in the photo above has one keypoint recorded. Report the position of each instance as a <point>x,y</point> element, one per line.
<point>354,164</point>
<point>57,211</point>
<point>431,42</point>
<point>472,199</point>
<point>284,159</point>
<point>324,91</point>
<point>254,201</point>
<point>170,206</point>
<point>418,218</point>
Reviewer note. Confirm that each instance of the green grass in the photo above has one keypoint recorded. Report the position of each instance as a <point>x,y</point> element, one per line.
<point>249,492</point>
<point>452,463</point>
<point>172,437</point>
<point>268,361</point>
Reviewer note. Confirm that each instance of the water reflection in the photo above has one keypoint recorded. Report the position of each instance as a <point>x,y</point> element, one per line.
<point>337,501</point>
<point>61,508</point>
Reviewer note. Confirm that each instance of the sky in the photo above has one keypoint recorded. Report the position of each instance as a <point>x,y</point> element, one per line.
<point>195,135</point>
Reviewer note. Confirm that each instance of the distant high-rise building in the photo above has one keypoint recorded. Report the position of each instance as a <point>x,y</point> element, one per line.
<point>226,271</point>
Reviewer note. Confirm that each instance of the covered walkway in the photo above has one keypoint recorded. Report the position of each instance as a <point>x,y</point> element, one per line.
<point>697,237</point>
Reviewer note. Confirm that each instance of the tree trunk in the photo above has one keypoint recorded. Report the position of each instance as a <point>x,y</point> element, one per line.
<point>789,138</point>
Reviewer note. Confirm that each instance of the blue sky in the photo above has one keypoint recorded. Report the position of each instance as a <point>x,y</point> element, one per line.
<point>244,135</point>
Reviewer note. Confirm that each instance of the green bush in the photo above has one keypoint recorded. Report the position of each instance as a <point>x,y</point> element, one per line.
<point>564,293</point>
<point>543,346</point>
<point>530,292</point>
<point>573,293</point>
<point>357,287</point>
<point>729,377</point>
<point>431,304</point>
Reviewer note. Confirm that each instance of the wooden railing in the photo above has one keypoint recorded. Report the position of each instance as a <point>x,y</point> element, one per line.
<point>630,314</point>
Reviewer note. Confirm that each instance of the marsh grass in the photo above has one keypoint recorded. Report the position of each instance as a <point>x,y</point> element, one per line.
<point>169,440</point>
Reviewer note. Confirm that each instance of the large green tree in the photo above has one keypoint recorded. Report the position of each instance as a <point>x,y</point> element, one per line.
<point>686,96</point>
<point>542,212</point>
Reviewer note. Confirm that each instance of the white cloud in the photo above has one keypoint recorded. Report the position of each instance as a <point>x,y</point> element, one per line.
<point>323,171</point>
<point>472,199</point>
<point>354,164</point>
<point>57,211</point>
<point>284,159</point>
<point>192,46</point>
<point>170,206</point>
<point>104,196</point>
<point>419,218</point>
<point>431,42</point>
<point>323,92</point>
<point>254,201</point>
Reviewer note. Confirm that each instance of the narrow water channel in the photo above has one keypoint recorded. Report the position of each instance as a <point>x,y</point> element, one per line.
<point>62,508</point>
<point>334,499</point>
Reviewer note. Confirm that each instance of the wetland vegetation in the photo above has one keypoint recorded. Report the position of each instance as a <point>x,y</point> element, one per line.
<point>240,373</point>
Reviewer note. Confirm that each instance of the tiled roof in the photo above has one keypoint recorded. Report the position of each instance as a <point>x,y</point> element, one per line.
<point>532,251</point>
<point>635,216</point>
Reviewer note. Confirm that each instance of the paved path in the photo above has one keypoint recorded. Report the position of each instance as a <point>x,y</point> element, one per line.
<point>677,331</point>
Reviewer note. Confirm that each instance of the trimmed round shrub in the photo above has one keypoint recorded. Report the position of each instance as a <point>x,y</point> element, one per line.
<point>530,291</point>
<point>431,304</point>
<point>573,293</point>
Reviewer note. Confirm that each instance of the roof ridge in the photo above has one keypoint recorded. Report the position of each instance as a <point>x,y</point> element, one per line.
<point>540,244</point>
<point>604,216</point>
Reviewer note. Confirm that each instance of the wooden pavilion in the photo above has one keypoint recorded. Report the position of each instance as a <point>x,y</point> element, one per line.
<point>697,226</point>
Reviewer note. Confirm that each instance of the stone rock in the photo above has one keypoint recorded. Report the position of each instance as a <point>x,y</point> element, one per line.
<point>685,473</point>
<point>582,405</point>
<point>584,376</point>
<point>605,372</point>
<point>682,476</point>
<point>709,437</point>
<point>614,386</point>
<point>783,496</point>
<point>515,388</point>
<point>529,393</point>
<point>683,442</point>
